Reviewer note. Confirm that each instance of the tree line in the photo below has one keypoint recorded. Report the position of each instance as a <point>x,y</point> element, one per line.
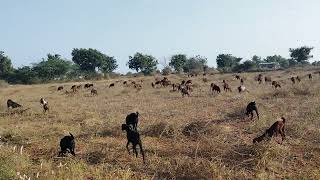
<point>91,63</point>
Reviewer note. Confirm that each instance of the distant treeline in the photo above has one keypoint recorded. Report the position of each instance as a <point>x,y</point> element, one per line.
<point>93,64</point>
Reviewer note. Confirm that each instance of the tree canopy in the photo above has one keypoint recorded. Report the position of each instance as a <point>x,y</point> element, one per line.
<point>227,61</point>
<point>142,62</point>
<point>178,61</point>
<point>5,66</point>
<point>300,55</point>
<point>195,64</point>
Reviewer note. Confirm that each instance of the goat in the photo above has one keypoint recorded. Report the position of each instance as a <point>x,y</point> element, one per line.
<point>298,78</point>
<point>215,88</point>
<point>88,85</point>
<point>250,108</point>
<point>152,84</point>
<point>94,92</point>
<point>293,80</point>
<point>111,85</point>
<point>241,81</point>
<point>74,88</point>
<point>79,86</point>
<point>184,91</point>
<point>310,76</point>
<point>275,84</point>
<point>242,89</point>
<point>133,119</point>
<point>44,104</point>
<point>60,88</point>
<point>237,77</point>
<point>133,137</point>
<point>276,128</point>
<point>226,86</point>
<point>67,144</point>
<point>12,104</point>
<point>260,78</point>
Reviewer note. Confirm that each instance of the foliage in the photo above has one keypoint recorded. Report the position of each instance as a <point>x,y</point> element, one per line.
<point>178,61</point>
<point>5,65</point>
<point>23,75</point>
<point>226,62</point>
<point>256,59</point>
<point>54,67</point>
<point>91,59</point>
<point>166,71</point>
<point>195,64</point>
<point>245,66</point>
<point>300,55</point>
<point>284,63</point>
<point>142,62</point>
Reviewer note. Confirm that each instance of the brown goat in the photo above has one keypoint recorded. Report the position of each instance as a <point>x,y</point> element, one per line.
<point>94,92</point>
<point>298,78</point>
<point>184,91</point>
<point>267,79</point>
<point>277,128</point>
<point>293,80</point>
<point>260,78</point>
<point>275,84</point>
<point>215,88</point>
<point>226,86</point>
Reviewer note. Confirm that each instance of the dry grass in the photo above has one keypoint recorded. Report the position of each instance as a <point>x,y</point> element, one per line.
<point>202,137</point>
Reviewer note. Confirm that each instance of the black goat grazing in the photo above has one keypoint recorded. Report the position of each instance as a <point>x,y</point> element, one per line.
<point>88,85</point>
<point>12,104</point>
<point>252,107</point>
<point>133,119</point>
<point>44,104</point>
<point>274,130</point>
<point>133,137</point>
<point>67,144</point>
<point>111,85</point>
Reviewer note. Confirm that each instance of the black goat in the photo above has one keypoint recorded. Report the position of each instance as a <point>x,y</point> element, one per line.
<point>133,119</point>
<point>67,144</point>
<point>133,137</point>
<point>252,107</point>
<point>12,104</point>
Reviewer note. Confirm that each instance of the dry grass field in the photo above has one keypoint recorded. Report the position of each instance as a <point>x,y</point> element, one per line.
<point>201,137</point>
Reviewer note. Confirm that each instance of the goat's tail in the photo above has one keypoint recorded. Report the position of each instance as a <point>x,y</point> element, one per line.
<point>71,135</point>
<point>283,119</point>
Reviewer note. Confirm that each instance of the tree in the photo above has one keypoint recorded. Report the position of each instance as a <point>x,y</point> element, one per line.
<point>300,55</point>
<point>51,68</point>
<point>166,71</point>
<point>178,61</point>
<point>227,61</point>
<point>5,66</point>
<point>256,59</point>
<point>142,62</point>
<point>195,64</point>
<point>23,75</point>
<point>91,59</point>
<point>284,63</point>
<point>245,66</point>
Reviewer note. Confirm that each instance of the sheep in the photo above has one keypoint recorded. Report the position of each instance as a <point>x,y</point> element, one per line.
<point>133,137</point>
<point>250,108</point>
<point>67,144</point>
<point>45,105</point>
<point>215,88</point>
<point>111,85</point>
<point>12,104</point>
<point>60,88</point>
<point>277,128</point>
<point>94,92</point>
<point>133,119</point>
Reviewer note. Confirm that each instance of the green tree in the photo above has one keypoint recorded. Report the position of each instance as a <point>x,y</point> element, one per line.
<point>195,64</point>
<point>5,66</point>
<point>178,61</point>
<point>91,59</point>
<point>142,62</point>
<point>256,59</point>
<point>284,63</point>
<point>52,67</point>
<point>300,55</point>
<point>226,61</point>
<point>245,66</point>
<point>23,75</point>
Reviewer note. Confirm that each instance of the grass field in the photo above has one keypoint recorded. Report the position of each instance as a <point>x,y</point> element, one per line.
<point>201,137</point>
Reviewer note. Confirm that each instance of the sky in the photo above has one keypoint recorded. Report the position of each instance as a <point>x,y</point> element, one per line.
<point>29,30</point>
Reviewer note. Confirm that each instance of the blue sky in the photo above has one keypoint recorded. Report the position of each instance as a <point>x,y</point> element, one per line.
<point>31,29</point>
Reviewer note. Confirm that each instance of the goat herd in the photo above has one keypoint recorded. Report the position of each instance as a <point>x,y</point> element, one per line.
<point>67,143</point>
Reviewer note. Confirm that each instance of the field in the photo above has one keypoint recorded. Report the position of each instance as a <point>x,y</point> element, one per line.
<point>201,137</point>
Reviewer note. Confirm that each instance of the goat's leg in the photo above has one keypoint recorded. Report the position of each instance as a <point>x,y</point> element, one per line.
<point>134,147</point>
<point>251,113</point>
<point>142,152</point>
<point>128,147</point>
